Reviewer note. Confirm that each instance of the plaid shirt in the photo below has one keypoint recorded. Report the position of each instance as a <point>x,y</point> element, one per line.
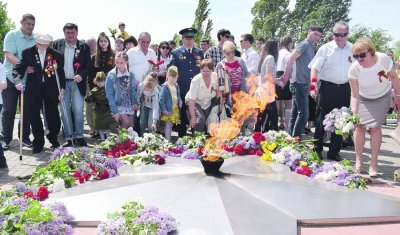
<point>214,53</point>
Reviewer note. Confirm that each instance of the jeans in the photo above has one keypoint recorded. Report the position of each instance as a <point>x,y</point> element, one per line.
<point>299,114</point>
<point>146,119</point>
<point>73,100</point>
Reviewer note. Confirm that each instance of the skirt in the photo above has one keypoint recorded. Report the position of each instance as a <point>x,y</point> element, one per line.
<point>282,93</point>
<point>372,112</point>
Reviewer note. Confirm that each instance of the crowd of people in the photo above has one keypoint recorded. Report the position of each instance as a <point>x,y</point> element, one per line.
<point>158,87</point>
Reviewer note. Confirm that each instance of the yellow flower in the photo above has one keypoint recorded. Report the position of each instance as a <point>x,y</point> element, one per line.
<point>272,146</point>
<point>267,156</point>
<point>303,163</point>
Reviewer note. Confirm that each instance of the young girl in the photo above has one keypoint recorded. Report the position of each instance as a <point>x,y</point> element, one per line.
<point>101,112</point>
<point>121,91</point>
<point>147,95</point>
<point>102,61</point>
<point>170,101</point>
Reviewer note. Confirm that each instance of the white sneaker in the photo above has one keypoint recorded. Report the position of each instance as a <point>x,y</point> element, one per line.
<point>396,134</point>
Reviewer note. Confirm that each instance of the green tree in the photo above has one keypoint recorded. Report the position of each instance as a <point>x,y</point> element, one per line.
<point>379,37</point>
<point>322,12</point>
<point>6,25</point>
<point>201,15</point>
<point>269,18</point>
<point>176,39</point>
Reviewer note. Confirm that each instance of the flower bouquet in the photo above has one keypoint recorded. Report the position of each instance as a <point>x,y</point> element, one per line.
<point>25,215</point>
<point>138,219</point>
<point>341,122</point>
<point>151,141</point>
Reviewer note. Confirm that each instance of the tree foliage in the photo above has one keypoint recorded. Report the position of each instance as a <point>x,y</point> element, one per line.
<point>379,37</point>
<point>268,18</point>
<point>201,15</point>
<point>6,25</point>
<point>274,19</point>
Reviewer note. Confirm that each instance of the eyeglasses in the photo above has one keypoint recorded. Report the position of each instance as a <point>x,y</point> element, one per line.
<point>361,55</point>
<point>229,52</point>
<point>164,48</point>
<point>340,34</point>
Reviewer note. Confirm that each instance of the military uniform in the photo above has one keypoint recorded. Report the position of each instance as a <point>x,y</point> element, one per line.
<point>188,66</point>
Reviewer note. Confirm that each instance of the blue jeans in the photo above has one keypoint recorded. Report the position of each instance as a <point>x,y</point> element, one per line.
<point>146,119</point>
<point>299,114</point>
<point>73,101</point>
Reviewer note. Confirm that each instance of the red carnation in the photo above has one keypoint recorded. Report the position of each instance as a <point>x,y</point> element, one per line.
<point>258,137</point>
<point>312,87</point>
<point>259,153</point>
<point>303,170</point>
<point>160,160</point>
<point>29,194</point>
<point>76,174</point>
<point>239,149</point>
<point>314,79</point>
<point>42,193</point>
<point>103,175</point>
<point>252,152</point>
<point>200,150</point>
<point>86,176</point>
<point>77,65</point>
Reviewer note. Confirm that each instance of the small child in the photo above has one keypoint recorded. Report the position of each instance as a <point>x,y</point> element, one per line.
<point>121,91</point>
<point>101,111</point>
<point>119,45</point>
<point>148,97</point>
<point>170,101</point>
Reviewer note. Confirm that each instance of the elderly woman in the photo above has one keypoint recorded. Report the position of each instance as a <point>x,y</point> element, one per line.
<point>203,89</point>
<point>371,78</point>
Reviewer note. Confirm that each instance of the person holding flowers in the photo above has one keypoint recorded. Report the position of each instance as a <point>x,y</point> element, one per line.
<point>170,101</point>
<point>371,78</point>
<point>42,87</point>
<point>330,86</point>
<point>101,111</point>
<point>148,97</point>
<point>121,91</point>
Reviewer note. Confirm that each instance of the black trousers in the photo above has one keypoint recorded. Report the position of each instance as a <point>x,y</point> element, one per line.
<point>330,96</point>
<point>181,128</point>
<point>10,101</point>
<point>268,119</point>
<point>52,117</point>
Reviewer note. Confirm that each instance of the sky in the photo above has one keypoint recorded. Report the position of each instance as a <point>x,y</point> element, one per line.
<point>163,18</point>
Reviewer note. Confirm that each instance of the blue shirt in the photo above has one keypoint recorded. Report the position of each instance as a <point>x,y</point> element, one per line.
<point>15,42</point>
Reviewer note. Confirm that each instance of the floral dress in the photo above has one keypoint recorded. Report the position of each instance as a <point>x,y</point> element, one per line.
<point>124,105</point>
<point>174,117</point>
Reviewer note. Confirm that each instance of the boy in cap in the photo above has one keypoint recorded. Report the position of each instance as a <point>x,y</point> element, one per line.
<point>187,59</point>
<point>42,86</point>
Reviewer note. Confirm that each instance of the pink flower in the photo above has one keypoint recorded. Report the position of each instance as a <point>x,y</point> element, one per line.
<point>258,137</point>
<point>42,193</point>
<point>160,160</point>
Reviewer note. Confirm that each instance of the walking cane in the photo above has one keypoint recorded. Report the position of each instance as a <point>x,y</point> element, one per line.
<point>63,108</point>
<point>21,122</point>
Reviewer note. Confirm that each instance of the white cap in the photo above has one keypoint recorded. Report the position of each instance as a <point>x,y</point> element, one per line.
<point>44,38</point>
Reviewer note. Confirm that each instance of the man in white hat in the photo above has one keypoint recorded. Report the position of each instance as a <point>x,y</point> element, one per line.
<point>41,87</point>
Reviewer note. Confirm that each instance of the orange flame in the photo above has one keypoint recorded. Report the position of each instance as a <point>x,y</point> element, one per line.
<point>246,106</point>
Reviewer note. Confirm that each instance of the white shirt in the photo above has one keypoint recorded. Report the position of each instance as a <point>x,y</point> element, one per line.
<point>251,58</point>
<point>69,54</point>
<point>282,58</point>
<point>138,62</point>
<point>370,86</point>
<point>42,55</point>
<point>200,93</point>
<point>333,62</point>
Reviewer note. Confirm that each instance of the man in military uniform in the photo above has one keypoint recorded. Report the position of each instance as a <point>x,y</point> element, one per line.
<point>187,58</point>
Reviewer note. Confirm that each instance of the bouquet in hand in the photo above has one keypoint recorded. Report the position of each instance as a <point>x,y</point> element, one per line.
<point>341,122</point>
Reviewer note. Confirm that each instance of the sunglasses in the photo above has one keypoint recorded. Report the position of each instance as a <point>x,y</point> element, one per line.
<point>340,34</point>
<point>164,48</point>
<point>361,55</point>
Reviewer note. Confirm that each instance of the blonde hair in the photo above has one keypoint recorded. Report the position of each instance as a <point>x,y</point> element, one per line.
<point>150,81</point>
<point>228,46</point>
<point>100,77</point>
<point>173,71</point>
<point>363,44</point>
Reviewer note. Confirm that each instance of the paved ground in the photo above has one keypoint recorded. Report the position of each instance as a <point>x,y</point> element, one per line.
<point>389,159</point>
